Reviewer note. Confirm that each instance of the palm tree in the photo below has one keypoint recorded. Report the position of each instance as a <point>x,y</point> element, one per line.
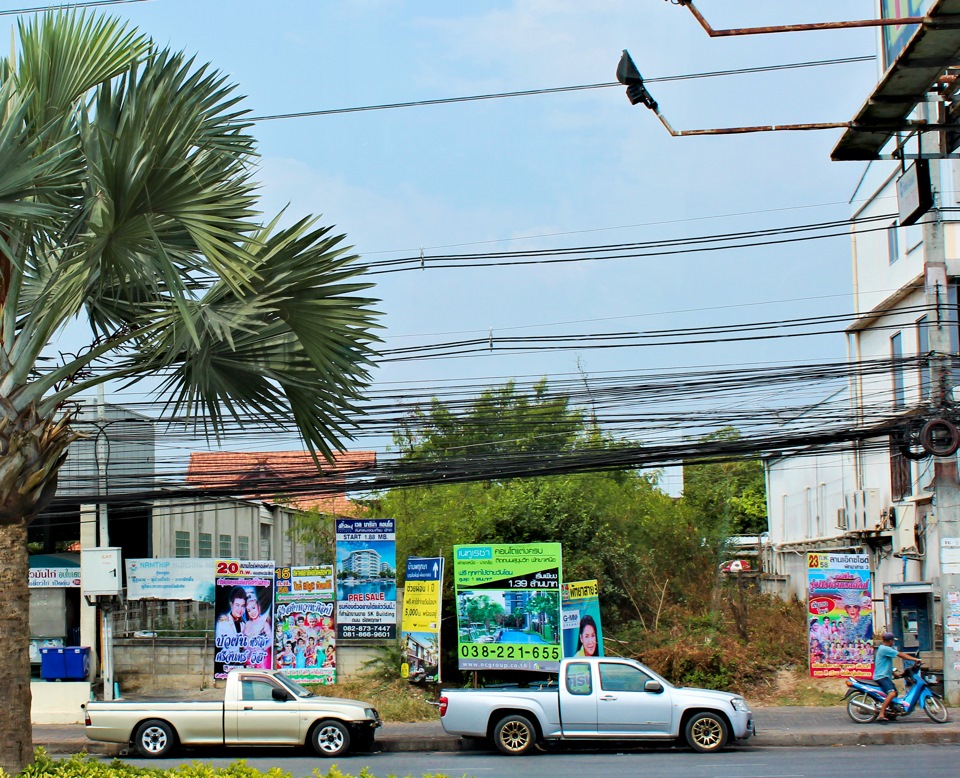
<point>127,202</point>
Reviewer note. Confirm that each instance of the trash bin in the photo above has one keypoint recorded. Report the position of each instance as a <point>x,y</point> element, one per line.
<point>53,663</point>
<point>77,663</point>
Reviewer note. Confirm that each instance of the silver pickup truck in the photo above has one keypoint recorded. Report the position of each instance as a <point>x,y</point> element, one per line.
<point>259,708</point>
<point>597,698</point>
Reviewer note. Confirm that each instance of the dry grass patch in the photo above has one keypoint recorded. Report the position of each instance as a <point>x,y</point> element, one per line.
<point>395,700</point>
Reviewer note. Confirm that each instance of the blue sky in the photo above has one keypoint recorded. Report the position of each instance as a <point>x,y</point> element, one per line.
<point>548,171</point>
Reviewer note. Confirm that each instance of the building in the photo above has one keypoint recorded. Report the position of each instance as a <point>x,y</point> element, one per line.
<point>364,563</point>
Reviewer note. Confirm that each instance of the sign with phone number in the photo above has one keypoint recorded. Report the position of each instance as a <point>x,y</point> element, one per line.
<point>514,651</point>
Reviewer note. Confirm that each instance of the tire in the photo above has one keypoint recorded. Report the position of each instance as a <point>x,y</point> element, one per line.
<point>330,738</point>
<point>515,735</point>
<point>936,710</point>
<point>706,732</point>
<point>859,715</point>
<point>155,739</point>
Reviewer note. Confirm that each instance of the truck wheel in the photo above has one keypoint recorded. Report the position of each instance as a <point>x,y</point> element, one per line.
<point>706,732</point>
<point>515,735</point>
<point>330,738</point>
<point>155,738</point>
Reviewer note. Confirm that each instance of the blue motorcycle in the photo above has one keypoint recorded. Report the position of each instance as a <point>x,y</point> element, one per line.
<point>864,698</point>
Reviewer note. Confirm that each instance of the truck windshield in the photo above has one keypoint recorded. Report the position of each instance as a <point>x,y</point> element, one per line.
<point>293,686</point>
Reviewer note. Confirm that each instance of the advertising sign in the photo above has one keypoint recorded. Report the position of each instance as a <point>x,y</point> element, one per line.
<point>840,615</point>
<point>244,612</point>
<point>54,577</point>
<point>508,606</point>
<point>305,641</point>
<point>420,624</point>
<point>170,579</point>
<point>366,579</point>
<point>580,608</point>
<point>895,38</point>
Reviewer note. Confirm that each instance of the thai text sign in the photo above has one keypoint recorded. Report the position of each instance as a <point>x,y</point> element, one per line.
<point>297,583</point>
<point>54,577</point>
<point>420,624</point>
<point>170,579</point>
<point>508,606</point>
<point>244,612</point>
<point>366,579</point>
<point>840,612</point>
<point>580,607</point>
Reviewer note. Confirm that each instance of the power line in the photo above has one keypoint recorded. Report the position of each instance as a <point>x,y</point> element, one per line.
<point>554,90</point>
<point>62,6</point>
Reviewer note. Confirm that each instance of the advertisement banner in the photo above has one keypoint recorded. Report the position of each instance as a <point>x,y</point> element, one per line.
<point>895,38</point>
<point>420,624</point>
<point>366,579</point>
<point>840,607</point>
<point>54,577</point>
<point>170,579</point>
<point>305,641</point>
<point>508,606</point>
<point>244,612</point>
<point>580,607</point>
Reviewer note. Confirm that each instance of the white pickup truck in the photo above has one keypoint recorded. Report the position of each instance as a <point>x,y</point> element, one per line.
<point>597,698</point>
<point>259,708</point>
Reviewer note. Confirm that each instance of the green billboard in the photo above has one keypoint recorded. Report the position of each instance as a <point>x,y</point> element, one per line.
<point>508,606</point>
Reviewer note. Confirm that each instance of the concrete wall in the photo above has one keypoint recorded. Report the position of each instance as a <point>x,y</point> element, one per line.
<point>58,702</point>
<point>181,666</point>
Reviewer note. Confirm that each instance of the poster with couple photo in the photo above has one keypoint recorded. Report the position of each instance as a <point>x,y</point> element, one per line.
<point>243,599</point>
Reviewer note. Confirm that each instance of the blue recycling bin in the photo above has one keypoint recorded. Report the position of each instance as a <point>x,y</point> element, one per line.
<point>53,663</point>
<point>76,663</point>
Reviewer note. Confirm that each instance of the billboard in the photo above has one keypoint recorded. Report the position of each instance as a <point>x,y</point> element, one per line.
<point>366,579</point>
<point>580,608</point>
<point>305,638</point>
<point>179,578</point>
<point>508,606</point>
<point>840,612</point>
<point>420,623</point>
<point>244,612</point>
<point>895,38</point>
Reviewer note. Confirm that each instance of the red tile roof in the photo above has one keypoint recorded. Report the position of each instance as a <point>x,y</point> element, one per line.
<point>289,477</point>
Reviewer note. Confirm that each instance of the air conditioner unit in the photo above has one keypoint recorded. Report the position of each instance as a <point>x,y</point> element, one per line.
<point>863,509</point>
<point>910,528</point>
<point>842,520</point>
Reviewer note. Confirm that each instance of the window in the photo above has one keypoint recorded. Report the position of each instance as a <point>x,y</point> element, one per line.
<point>182,540</point>
<point>901,480</point>
<point>265,532</point>
<point>893,243</point>
<point>256,690</point>
<point>923,347</point>
<point>205,545</point>
<point>578,678</point>
<point>243,546</point>
<point>896,366</point>
<point>226,547</point>
<point>622,678</point>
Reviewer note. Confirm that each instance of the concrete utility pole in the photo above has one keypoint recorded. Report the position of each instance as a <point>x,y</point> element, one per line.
<point>946,484</point>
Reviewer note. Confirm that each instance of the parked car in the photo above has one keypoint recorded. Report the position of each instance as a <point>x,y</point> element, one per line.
<point>259,708</point>
<point>597,698</point>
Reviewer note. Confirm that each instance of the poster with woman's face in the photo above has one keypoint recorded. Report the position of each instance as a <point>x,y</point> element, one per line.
<point>244,615</point>
<point>581,619</point>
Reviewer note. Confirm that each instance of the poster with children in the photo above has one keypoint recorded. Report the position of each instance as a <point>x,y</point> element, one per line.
<point>840,612</point>
<point>244,612</point>
<point>306,635</point>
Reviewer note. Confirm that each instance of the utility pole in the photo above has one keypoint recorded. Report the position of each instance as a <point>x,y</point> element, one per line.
<point>945,484</point>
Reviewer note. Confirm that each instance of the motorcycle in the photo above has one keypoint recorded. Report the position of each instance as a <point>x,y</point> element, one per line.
<point>864,698</point>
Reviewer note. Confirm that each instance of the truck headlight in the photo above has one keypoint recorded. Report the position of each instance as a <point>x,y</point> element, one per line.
<point>740,704</point>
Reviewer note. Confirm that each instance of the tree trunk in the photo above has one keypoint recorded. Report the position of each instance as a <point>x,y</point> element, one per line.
<point>16,745</point>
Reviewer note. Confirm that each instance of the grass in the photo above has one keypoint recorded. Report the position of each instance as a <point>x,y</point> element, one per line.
<point>396,700</point>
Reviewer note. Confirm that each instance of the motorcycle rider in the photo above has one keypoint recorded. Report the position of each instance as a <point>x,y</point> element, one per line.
<point>883,671</point>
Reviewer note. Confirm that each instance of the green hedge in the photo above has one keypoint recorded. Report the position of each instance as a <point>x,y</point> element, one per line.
<point>84,766</point>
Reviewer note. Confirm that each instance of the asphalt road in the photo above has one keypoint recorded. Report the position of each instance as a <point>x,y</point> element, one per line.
<point>837,762</point>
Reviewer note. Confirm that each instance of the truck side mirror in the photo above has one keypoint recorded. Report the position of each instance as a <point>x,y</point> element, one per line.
<point>280,695</point>
<point>654,687</point>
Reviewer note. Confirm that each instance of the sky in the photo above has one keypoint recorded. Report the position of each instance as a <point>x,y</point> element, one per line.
<point>548,171</point>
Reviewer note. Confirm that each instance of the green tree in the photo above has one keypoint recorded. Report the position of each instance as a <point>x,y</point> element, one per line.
<point>127,201</point>
<point>728,494</point>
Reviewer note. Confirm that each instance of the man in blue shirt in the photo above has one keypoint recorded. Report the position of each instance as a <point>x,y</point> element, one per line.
<point>883,671</point>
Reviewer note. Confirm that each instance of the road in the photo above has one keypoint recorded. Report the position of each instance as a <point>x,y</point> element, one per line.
<point>837,762</point>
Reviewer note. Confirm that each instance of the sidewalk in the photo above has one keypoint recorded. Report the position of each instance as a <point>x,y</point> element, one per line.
<point>775,727</point>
